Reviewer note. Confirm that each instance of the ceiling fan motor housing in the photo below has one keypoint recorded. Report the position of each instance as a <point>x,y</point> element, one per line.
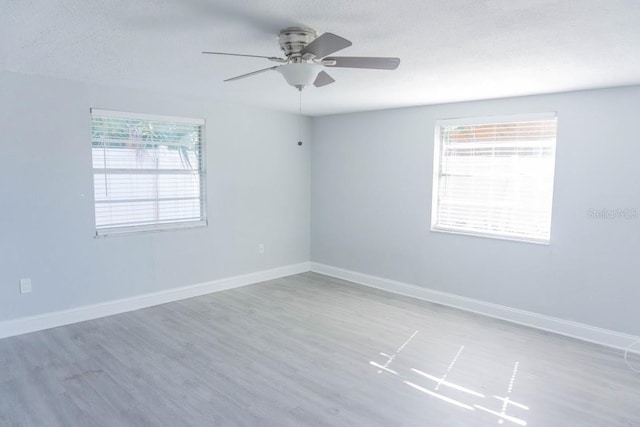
<point>293,39</point>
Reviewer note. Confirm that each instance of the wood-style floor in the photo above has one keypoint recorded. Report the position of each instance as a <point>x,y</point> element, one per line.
<point>309,350</point>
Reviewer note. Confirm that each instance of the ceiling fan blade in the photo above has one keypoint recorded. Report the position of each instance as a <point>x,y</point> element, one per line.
<point>271,58</point>
<point>323,79</point>
<point>377,63</point>
<point>324,45</point>
<point>242,76</point>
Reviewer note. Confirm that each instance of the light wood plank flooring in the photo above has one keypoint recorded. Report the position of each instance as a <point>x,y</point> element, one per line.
<point>309,350</point>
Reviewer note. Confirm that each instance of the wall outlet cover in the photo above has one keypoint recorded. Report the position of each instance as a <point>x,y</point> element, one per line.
<point>25,286</point>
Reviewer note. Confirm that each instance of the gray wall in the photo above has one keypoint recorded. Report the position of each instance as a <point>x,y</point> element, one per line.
<point>371,208</point>
<point>258,192</point>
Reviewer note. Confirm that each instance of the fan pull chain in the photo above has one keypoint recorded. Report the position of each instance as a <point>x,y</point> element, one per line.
<point>299,116</point>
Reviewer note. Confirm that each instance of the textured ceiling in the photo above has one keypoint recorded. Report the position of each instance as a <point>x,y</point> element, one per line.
<point>451,50</point>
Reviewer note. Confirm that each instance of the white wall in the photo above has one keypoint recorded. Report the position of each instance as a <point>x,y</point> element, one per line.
<point>371,209</point>
<point>257,185</point>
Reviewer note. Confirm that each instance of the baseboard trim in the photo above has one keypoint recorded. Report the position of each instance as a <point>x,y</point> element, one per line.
<point>41,322</point>
<point>556,325</point>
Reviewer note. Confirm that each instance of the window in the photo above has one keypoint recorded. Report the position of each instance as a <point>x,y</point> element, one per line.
<point>148,172</point>
<point>494,176</point>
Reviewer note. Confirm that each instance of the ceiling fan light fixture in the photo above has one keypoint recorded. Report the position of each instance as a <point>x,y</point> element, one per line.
<point>300,75</point>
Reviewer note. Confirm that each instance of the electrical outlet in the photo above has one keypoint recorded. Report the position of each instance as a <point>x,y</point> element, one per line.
<point>25,286</point>
<point>261,248</point>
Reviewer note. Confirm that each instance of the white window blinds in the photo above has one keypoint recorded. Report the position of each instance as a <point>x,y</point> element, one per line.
<point>148,172</point>
<point>494,177</point>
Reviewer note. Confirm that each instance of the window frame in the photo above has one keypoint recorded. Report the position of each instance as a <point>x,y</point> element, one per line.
<point>479,120</point>
<point>202,173</point>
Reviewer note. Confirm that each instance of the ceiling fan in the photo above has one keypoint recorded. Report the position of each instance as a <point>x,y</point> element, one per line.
<point>306,54</point>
